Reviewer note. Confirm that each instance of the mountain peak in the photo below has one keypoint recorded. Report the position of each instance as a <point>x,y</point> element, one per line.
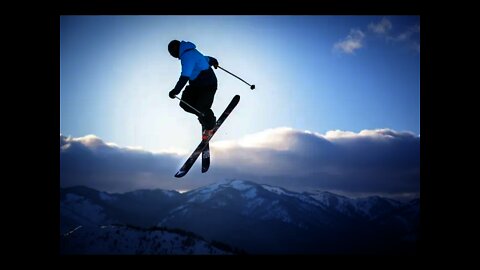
<point>237,184</point>
<point>240,184</point>
<point>234,181</point>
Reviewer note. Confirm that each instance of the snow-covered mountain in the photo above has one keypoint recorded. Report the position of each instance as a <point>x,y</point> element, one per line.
<point>255,218</point>
<point>89,207</point>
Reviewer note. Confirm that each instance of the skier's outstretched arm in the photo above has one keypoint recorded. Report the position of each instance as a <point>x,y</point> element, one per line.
<point>182,81</point>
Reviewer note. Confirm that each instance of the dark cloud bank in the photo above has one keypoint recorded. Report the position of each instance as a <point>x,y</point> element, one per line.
<point>383,162</point>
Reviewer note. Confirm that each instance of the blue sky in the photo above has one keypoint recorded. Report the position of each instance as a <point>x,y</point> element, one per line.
<point>316,73</point>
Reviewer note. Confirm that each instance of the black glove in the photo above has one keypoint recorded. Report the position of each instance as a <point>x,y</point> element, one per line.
<point>173,93</point>
<point>213,62</point>
<point>178,87</point>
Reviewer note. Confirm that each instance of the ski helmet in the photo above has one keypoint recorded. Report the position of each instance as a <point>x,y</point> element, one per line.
<point>174,48</point>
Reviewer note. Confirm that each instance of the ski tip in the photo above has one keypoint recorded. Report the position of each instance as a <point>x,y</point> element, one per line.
<point>235,100</point>
<point>180,174</point>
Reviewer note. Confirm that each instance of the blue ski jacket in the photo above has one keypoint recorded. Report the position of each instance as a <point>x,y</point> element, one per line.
<point>192,60</point>
<point>195,68</point>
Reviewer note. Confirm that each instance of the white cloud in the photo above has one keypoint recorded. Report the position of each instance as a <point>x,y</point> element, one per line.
<point>352,42</point>
<point>383,27</point>
<point>378,134</point>
<point>356,38</point>
<point>382,161</point>
<point>410,37</point>
<point>405,35</point>
<point>88,140</point>
<point>339,134</point>
<point>267,139</point>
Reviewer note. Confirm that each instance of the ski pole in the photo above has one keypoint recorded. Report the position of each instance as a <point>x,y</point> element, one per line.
<point>252,86</point>
<point>190,106</point>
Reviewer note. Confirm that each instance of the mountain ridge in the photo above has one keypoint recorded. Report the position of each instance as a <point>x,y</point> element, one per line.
<point>255,217</point>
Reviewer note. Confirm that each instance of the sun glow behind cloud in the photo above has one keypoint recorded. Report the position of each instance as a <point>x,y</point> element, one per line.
<point>284,138</point>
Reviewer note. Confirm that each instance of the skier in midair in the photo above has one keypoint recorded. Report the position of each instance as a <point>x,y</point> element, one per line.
<point>200,92</point>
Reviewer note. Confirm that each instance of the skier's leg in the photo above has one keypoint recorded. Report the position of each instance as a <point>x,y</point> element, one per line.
<point>204,103</point>
<point>190,96</point>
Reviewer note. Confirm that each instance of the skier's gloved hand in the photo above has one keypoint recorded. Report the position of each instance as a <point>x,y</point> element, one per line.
<point>178,87</point>
<point>173,93</point>
<point>213,62</point>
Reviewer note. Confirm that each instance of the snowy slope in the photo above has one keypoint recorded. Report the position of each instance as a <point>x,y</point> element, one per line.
<point>88,207</point>
<point>114,239</point>
<point>369,207</point>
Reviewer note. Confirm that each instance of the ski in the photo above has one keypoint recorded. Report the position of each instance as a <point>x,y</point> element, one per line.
<point>205,158</point>
<point>204,143</point>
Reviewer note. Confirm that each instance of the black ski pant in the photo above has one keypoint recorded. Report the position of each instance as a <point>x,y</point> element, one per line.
<point>201,98</point>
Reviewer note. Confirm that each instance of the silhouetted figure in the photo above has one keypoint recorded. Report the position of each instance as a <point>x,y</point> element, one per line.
<point>200,92</point>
